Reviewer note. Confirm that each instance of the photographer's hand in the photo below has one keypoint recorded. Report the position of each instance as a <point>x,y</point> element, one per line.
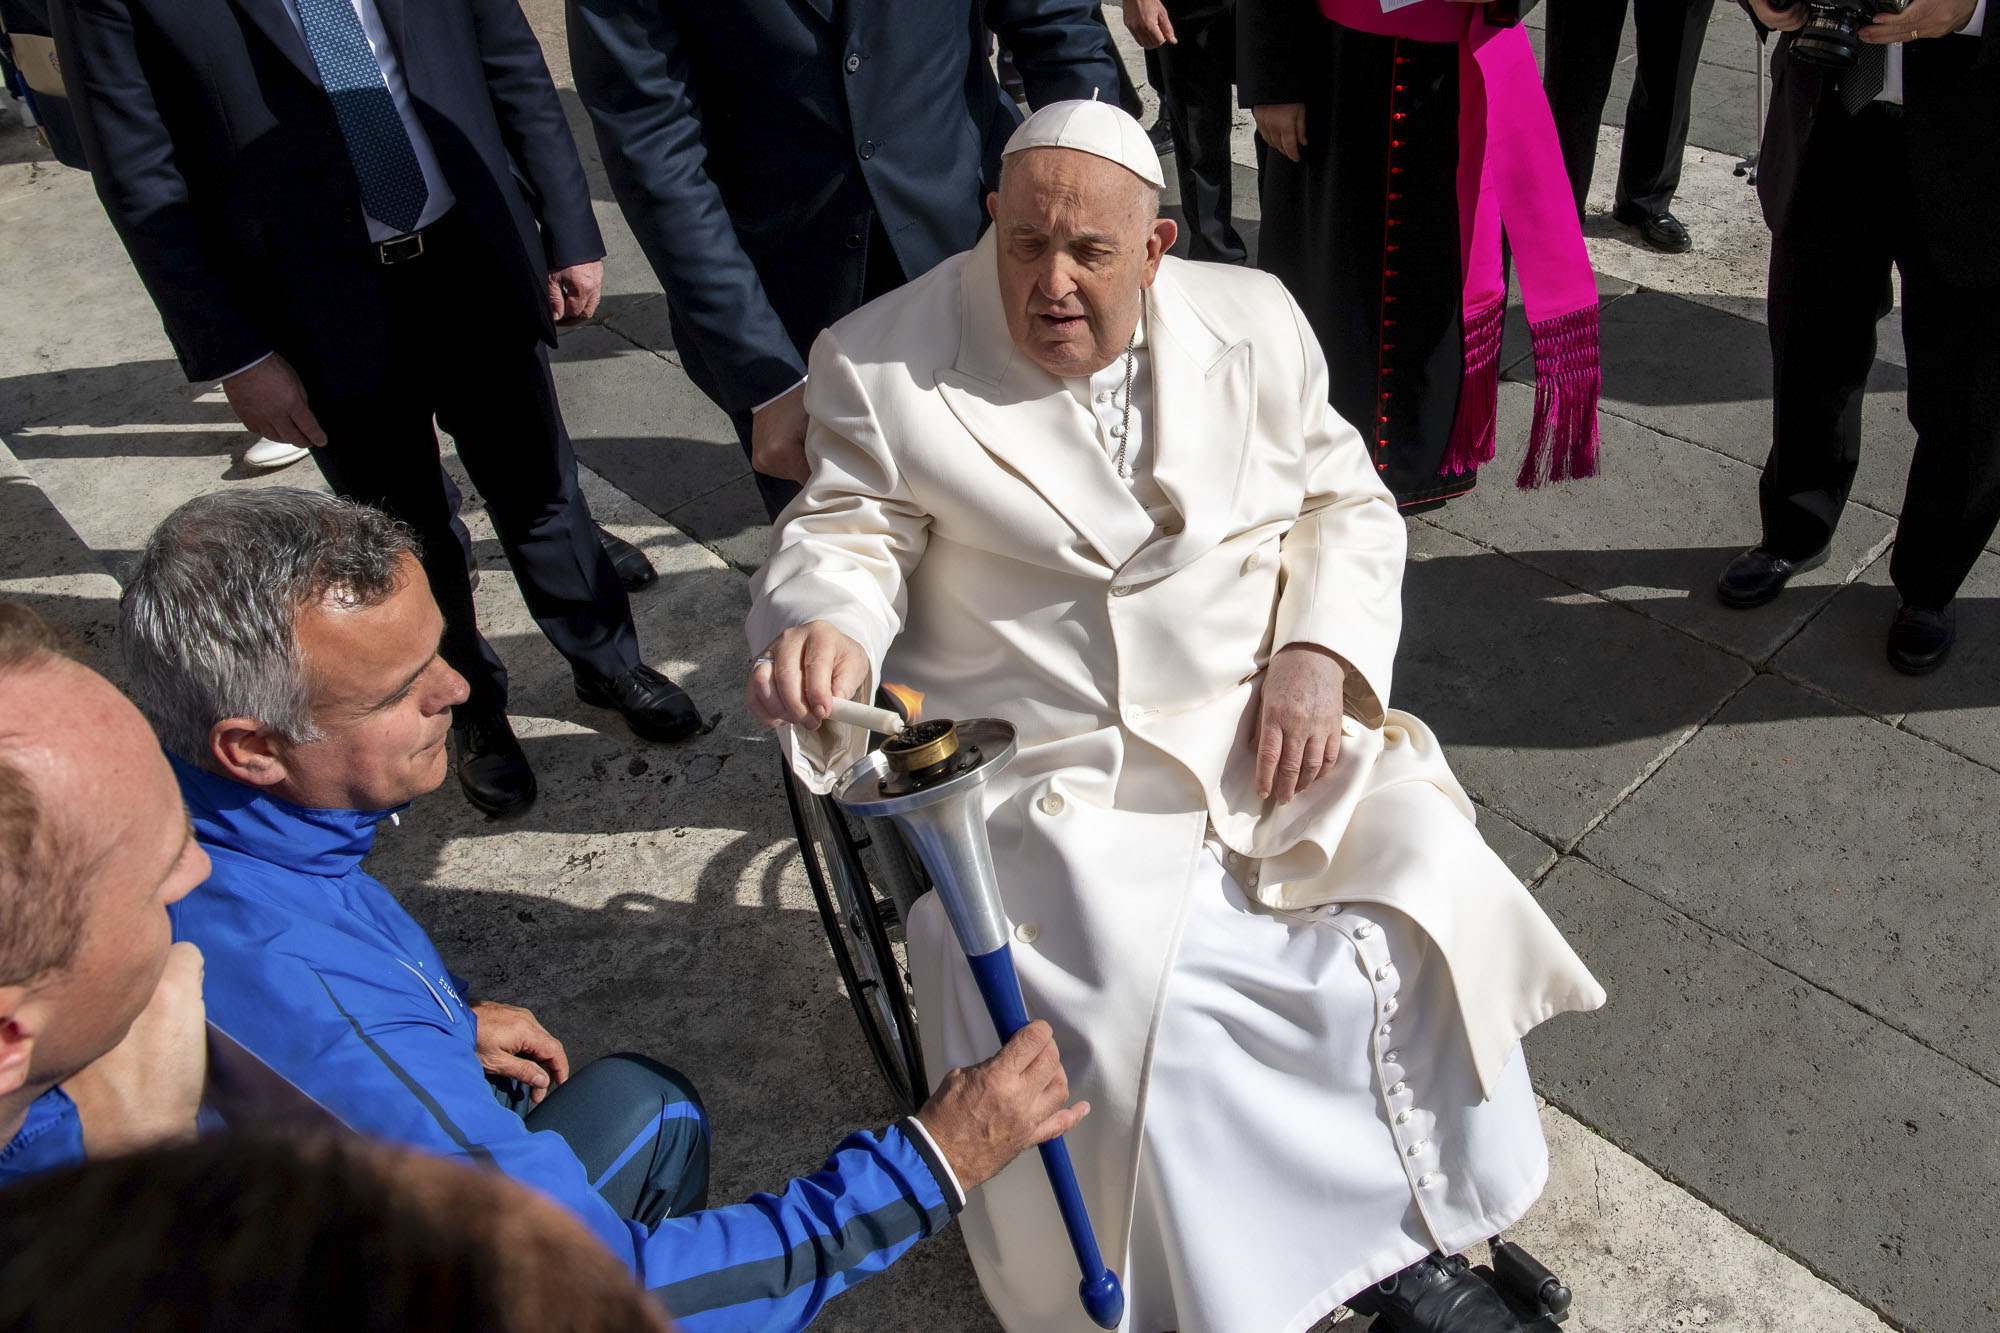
<point>1924,18</point>
<point>1785,19</point>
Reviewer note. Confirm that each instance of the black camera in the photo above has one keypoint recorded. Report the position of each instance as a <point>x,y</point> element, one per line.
<point>1830,39</point>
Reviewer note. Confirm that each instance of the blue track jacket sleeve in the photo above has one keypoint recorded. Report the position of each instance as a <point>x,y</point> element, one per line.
<point>767,1264</point>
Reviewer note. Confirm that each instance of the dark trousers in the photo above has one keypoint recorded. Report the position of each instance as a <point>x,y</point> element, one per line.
<point>638,1128</point>
<point>1582,49</point>
<point>1194,77</point>
<point>1830,270</point>
<point>457,349</point>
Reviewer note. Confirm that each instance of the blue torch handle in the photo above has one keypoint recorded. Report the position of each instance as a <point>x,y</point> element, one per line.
<point>1103,1298</point>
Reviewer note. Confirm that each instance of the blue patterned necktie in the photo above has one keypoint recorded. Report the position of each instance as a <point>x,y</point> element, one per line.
<point>392,184</point>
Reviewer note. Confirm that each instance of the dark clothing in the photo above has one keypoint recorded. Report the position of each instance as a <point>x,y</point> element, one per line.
<point>1848,197</point>
<point>489,388</point>
<point>1580,53</point>
<point>1194,77</point>
<point>766,151</point>
<point>320,973</point>
<point>1390,320</point>
<point>217,154</point>
<point>637,1126</point>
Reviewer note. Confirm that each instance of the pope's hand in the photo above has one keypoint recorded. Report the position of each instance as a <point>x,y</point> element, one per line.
<point>808,667</point>
<point>1299,708</point>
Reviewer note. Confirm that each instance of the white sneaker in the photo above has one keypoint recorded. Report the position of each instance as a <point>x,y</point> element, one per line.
<point>271,453</point>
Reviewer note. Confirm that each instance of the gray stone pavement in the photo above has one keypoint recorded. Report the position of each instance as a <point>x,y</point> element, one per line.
<point>1772,849</point>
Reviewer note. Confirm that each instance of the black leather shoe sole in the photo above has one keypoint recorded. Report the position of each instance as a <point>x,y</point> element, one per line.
<point>1919,645</point>
<point>1672,240</point>
<point>1743,593</point>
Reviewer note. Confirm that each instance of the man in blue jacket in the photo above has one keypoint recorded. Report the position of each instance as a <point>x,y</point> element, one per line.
<point>288,648</point>
<point>783,161</point>
<point>100,1013</point>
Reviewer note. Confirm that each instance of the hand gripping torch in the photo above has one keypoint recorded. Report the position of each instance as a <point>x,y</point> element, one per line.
<point>928,779</point>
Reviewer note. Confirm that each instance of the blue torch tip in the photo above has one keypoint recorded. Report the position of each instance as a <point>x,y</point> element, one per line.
<point>1103,1299</point>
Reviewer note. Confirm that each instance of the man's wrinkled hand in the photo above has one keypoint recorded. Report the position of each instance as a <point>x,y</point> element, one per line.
<point>145,1090</point>
<point>573,292</point>
<point>810,666</point>
<point>1299,708</point>
<point>513,1044</point>
<point>1148,23</point>
<point>1283,126</point>
<point>1780,19</point>
<point>985,1115</point>
<point>269,400</point>
<point>1922,20</point>
<point>778,437</point>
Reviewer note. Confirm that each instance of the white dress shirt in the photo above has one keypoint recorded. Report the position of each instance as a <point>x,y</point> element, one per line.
<point>1892,68</point>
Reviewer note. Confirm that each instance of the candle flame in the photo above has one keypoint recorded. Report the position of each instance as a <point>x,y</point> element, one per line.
<point>909,700</point>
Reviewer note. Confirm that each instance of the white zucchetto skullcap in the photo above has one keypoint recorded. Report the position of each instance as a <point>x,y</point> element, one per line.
<point>1097,128</point>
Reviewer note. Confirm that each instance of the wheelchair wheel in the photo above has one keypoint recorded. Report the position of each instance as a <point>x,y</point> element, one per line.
<point>858,923</point>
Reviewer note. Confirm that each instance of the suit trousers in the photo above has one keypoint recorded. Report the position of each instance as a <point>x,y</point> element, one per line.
<point>1829,285</point>
<point>1581,51</point>
<point>1195,76</point>
<point>457,350</point>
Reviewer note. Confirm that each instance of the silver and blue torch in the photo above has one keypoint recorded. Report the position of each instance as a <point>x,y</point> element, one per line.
<point>927,778</point>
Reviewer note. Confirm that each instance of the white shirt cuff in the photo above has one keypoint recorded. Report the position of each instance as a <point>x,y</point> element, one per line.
<point>802,379</point>
<point>951,1176</point>
<point>1976,25</point>
<point>240,369</point>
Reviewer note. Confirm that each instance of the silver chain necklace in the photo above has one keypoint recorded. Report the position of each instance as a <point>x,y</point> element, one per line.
<point>1125,425</point>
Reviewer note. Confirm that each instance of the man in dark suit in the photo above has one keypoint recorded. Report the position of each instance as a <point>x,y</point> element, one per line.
<point>1582,48</point>
<point>1191,47</point>
<point>1895,162</point>
<point>784,161</point>
<point>359,215</point>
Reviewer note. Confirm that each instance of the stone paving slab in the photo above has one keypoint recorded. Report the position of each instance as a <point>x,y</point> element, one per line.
<point>1842,653</point>
<point>1849,1145</point>
<point>1848,853</point>
<point>1653,530</point>
<point>46,567</point>
<point>1528,856</point>
<point>1553,710</point>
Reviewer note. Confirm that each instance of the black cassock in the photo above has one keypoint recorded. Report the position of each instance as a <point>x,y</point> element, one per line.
<point>1364,229</point>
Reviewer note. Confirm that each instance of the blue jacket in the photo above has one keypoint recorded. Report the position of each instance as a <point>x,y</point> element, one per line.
<point>50,1137</point>
<point>313,966</point>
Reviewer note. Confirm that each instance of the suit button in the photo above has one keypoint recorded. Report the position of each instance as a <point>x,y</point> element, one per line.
<point>1251,561</point>
<point>1027,932</point>
<point>347,213</point>
<point>853,63</point>
<point>1121,590</point>
<point>1052,804</point>
<point>854,240</point>
<point>867,149</point>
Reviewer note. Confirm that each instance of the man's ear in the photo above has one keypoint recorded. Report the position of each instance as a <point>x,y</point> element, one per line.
<point>1158,241</point>
<point>16,1042</point>
<point>993,205</point>
<point>247,751</point>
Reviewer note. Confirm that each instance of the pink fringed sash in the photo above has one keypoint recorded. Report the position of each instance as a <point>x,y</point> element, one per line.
<point>1510,179</point>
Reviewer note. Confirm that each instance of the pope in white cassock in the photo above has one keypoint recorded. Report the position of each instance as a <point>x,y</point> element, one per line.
<point>1064,480</point>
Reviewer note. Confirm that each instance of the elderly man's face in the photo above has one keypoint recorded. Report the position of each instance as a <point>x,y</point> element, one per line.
<point>381,698</point>
<point>1078,245</point>
<point>118,822</point>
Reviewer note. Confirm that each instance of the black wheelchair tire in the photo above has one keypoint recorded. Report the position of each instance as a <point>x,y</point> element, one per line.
<point>853,913</point>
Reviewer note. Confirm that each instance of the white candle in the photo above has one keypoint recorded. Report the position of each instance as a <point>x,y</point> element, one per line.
<point>867,718</point>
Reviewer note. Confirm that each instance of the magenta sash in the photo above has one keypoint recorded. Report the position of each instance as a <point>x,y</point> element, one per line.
<point>1510,179</point>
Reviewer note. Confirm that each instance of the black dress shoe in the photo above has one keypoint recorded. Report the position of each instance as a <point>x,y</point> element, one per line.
<point>1436,1295</point>
<point>1759,575</point>
<point>654,707</point>
<point>1161,136</point>
<point>1662,231</point>
<point>491,767</point>
<point>635,571</point>
<point>1920,639</point>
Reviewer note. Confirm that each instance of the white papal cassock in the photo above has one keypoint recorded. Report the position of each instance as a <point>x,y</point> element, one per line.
<point>1298,1026</point>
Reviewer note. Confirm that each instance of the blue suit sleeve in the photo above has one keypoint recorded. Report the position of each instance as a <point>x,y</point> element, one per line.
<point>1061,47</point>
<point>632,73</point>
<point>766,1264</point>
<point>537,134</point>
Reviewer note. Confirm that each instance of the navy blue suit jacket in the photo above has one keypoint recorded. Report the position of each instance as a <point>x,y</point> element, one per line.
<point>217,156</point>
<point>753,143</point>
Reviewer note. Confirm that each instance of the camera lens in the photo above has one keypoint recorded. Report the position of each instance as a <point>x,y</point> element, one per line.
<point>1828,40</point>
